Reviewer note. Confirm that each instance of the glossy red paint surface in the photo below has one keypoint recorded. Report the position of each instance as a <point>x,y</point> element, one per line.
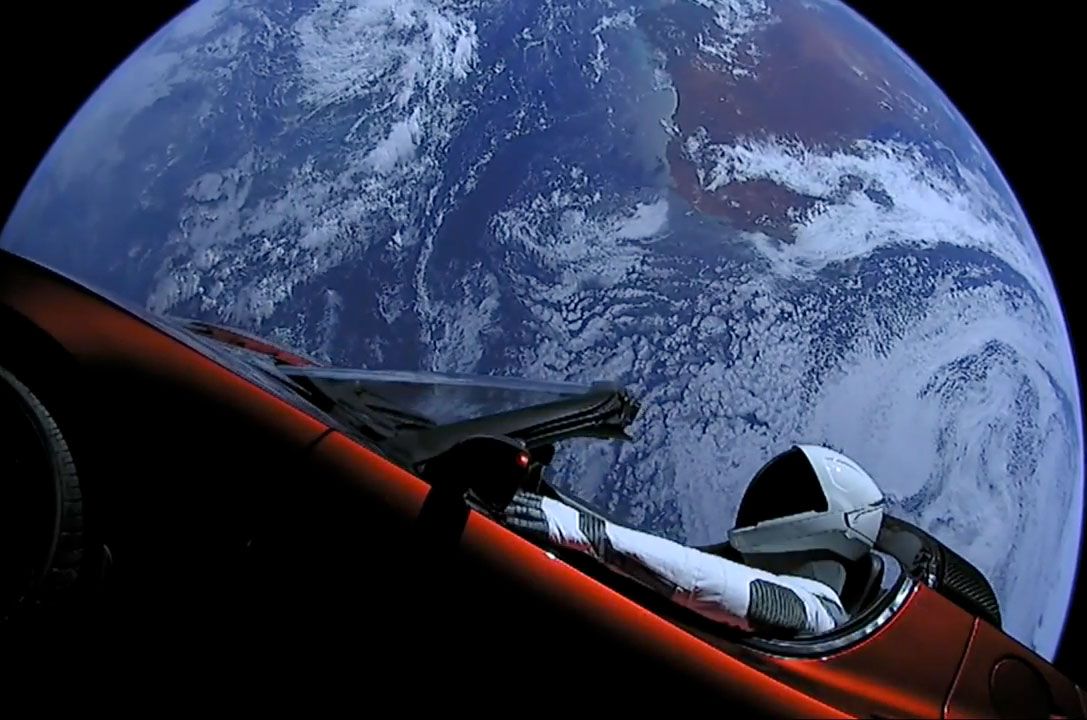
<point>903,671</point>
<point>1001,678</point>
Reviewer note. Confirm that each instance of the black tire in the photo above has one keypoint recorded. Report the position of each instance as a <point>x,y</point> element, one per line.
<point>41,505</point>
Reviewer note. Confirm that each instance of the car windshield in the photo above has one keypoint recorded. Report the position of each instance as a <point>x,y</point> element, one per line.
<point>441,398</point>
<point>413,415</point>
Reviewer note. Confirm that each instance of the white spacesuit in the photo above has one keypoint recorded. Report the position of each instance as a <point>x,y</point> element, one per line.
<point>804,517</point>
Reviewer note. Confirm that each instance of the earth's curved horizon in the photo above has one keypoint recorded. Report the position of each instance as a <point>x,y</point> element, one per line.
<point>759,215</point>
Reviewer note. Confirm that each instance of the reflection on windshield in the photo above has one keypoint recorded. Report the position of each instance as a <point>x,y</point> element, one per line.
<point>423,377</point>
<point>446,397</point>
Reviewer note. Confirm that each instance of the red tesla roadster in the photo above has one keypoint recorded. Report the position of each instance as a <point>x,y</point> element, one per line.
<point>181,500</point>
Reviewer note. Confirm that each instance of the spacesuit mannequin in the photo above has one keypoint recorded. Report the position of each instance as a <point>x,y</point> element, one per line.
<point>806,514</point>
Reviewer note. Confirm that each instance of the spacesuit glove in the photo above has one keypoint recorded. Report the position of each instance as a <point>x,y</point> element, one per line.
<point>557,522</point>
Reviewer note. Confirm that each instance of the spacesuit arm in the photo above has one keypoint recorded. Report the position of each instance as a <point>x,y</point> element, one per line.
<point>719,588</point>
<point>713,586</point>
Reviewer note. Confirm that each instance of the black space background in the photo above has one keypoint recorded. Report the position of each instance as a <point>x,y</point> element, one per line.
<point>1010,71</point>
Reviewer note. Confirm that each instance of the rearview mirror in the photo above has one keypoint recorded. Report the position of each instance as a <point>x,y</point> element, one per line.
<point>491,467</point>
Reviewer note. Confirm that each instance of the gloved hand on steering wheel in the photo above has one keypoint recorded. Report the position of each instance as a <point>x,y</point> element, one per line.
<point>558,523</point>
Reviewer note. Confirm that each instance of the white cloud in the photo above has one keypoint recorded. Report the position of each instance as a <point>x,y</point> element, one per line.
<point>391,48</point>
<point>396,147</point>
<point>728,39</point>
<point>865,197</point>
<point>649,219</point>
<point>387,65</point>
<point>570,233</point>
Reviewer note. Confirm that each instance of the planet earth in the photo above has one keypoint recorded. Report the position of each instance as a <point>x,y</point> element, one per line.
<point>760,216</point>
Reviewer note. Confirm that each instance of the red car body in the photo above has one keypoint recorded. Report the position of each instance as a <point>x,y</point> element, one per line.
<point>258,536</point>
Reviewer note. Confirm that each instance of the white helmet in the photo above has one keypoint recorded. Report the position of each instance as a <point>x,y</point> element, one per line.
<point>809,499</point>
